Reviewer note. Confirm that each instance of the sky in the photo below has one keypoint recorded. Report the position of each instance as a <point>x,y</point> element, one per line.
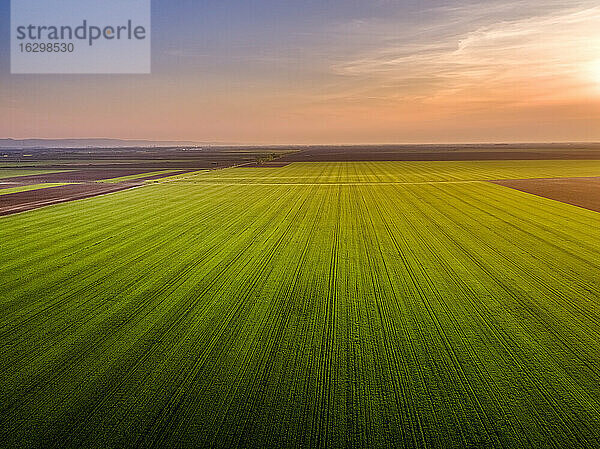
<point>333,72</point>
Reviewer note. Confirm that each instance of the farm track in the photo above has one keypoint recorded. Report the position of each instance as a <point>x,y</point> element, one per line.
<point>431,312</point>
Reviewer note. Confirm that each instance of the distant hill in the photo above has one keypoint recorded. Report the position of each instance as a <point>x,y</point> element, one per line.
<point>91,143</point>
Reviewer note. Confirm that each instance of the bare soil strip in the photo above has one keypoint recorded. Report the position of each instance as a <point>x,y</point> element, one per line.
<point>581,192</point>
<point>32,199</point>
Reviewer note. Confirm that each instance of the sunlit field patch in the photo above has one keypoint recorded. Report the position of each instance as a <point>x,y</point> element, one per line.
<point>354,304</point>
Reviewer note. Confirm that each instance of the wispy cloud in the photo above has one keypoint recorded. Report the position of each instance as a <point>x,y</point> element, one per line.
<point>545,56</point>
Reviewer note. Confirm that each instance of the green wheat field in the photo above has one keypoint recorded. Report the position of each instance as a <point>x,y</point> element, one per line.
<point>366,304</point>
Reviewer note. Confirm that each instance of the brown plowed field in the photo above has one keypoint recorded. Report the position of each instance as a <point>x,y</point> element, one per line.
<point>582,192</point>
<point>143,159</point>
<point>13,203</point>
<point>436,153</point>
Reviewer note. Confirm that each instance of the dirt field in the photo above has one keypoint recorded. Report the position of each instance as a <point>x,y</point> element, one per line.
<point>33,199</point>
<point>143,159</point>
<point>442,153</point>
<point>582,192</point>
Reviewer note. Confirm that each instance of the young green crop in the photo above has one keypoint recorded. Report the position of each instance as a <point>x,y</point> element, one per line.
<point>15,172</point>
<point>18,189</point>
<point>364,314</point>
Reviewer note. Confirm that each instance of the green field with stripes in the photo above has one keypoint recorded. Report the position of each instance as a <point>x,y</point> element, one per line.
<point>364,304</point>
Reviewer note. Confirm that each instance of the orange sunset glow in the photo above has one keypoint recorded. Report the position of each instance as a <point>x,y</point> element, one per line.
<point>460,72</point>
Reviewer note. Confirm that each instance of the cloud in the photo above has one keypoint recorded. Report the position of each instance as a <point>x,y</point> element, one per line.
<point>538,57</point>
